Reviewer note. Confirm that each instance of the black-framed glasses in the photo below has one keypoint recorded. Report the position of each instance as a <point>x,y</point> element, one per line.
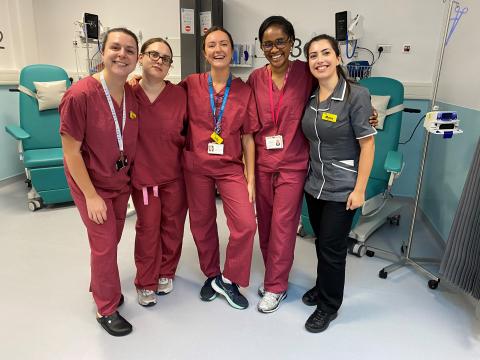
<point>278,43</point>
<point>155,56</point>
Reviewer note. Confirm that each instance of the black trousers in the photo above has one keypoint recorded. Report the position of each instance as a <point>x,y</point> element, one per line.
<point>331,224</point>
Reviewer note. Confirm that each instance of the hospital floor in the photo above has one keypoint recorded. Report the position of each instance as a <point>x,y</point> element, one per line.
<point>48,313</point>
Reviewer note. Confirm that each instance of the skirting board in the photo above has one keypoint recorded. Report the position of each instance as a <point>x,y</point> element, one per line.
<point>12,179</point>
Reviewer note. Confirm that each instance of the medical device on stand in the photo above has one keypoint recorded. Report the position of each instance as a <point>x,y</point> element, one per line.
<point>88,35</point>
<point>446,124</point>
<point>442,123</point>
<point>349,31</point>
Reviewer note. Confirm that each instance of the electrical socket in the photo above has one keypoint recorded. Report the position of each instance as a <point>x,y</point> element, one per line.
<point>387,48</point>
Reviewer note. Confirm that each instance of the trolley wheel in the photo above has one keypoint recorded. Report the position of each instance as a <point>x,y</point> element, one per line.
<point>29,183</point>
<point>394,220</point>
<point>34,205</point>
<point>382,274</point>
<point>356,248</point>
<point>301,231</point>
<point>370,253</point>
<point>433,284</point>
<point>403,249</point>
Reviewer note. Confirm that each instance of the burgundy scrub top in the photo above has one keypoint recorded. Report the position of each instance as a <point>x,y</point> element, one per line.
<point>161,136</point>
<point>297,90</point>
<point>85,116</point>
<point>239,117</point>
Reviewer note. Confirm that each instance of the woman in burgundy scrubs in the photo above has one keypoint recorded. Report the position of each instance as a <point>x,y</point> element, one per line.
<point>222,119</point>
<point>158,186</point>
<point>281,90</point>
<point>99,128</point>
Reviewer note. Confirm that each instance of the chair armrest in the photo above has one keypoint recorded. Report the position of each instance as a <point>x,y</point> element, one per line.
<point>394,162</point>
<point>17,132</point>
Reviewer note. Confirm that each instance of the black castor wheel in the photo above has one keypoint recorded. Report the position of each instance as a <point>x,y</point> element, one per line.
<point>403,249</point>
<point>301,231</point>
<point>382,274</point>
<point>394,220</point>
<point>356,248</point>
<point>433,284</point>
<point>370,253</point>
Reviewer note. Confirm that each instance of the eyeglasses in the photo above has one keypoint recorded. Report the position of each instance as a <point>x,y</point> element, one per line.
<point>278,43</point>
<point>155,56</point>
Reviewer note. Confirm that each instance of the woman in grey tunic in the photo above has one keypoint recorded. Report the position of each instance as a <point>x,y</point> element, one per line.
<point>341,141</point>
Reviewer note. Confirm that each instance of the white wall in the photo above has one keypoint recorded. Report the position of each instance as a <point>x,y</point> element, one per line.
<point>55,19</point>
<point>417,23</point>
<point>42,31</point>
<point>460,75</point>
<point>18,28</point>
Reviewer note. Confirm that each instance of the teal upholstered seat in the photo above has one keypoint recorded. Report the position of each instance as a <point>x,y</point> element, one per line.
<point>40,139</point>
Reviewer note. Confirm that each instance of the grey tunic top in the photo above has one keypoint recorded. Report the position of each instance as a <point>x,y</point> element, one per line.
<point>333,128</point>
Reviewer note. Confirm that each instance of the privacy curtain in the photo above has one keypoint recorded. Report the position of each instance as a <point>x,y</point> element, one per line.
<point>461,262</point>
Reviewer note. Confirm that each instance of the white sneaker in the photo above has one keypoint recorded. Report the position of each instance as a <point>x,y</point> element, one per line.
<point>165,286</point>
<point>146,297</point>
<point>261,290</point>
<point>270,302</point>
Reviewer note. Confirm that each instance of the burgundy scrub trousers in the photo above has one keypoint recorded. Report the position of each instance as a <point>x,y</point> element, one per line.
<point>280,173</point>
<point>85,116</point>
<point>158,185</point>
<point>204,171</point>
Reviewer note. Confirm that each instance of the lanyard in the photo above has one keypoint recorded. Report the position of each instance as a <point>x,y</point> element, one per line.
<point>114,114</point>
<point>217,120</point>
<point>276,114</point>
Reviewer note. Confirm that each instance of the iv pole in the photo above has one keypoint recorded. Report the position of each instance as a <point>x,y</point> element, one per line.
<point>406,259</point>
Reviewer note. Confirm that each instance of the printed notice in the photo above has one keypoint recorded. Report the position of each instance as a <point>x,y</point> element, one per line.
<point>205,21</point>
<point>188,21</point>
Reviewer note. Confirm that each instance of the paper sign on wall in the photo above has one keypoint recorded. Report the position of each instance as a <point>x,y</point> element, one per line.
<point>205,21</point>
<point>188,21</point>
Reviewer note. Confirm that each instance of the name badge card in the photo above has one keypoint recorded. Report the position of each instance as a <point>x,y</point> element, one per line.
<point>274,142</point>
<point>215,149</point>
<point>329,117</point>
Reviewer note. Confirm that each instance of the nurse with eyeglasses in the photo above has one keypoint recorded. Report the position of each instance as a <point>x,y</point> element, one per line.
<point>281,89</point>
<point>157,176</point>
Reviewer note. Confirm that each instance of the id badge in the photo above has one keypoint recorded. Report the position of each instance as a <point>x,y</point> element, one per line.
<point>274,142</point>
<point>329,117</point>
<point>215,149</point>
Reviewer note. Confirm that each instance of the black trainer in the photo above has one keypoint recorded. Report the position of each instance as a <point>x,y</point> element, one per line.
<point>206,292</point>
<point>115,324</point>
<point>310,298</point>
<point>231,293</point>
<point>319,321</point>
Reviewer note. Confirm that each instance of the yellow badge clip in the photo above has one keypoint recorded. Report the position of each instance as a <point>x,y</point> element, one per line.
<point>133,115</point>
<point>329,117</point>
<point>217,138</point>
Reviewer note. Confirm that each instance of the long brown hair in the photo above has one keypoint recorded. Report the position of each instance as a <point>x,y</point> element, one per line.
<point>336,48</point>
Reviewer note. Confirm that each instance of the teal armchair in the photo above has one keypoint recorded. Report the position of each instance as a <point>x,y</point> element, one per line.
<point>41,147</point>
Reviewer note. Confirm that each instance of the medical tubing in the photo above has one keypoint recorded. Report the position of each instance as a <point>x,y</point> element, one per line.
<point>413,132</point>
<point>354,48</point>
<point>370,51</point>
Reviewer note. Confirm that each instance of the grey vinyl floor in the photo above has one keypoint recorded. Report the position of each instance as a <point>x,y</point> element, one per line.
<point>47,312</point>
